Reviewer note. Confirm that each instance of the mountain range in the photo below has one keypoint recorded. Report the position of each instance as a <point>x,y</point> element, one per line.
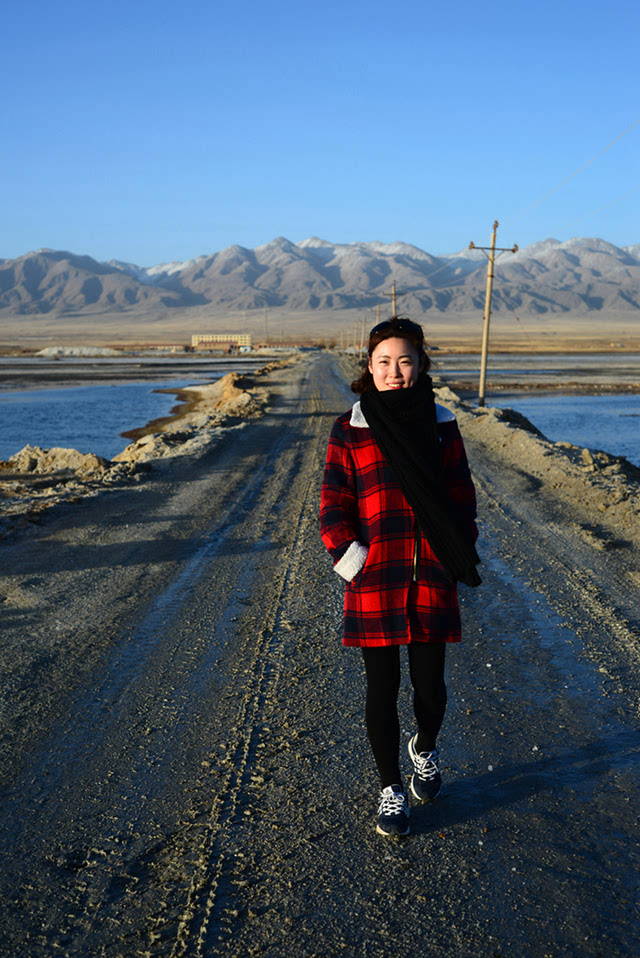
<point>578,277</point>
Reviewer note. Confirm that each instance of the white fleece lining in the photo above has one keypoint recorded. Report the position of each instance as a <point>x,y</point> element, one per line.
<point>357,416</point>
<point>352,561</point>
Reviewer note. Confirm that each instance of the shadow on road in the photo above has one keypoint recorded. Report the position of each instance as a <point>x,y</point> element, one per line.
<point>577,770</point>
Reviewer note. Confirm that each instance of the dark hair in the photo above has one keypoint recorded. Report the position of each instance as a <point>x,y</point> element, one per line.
<point>397,327</point>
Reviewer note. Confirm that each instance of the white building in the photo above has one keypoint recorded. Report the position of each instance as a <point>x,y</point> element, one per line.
<point>206,340</point>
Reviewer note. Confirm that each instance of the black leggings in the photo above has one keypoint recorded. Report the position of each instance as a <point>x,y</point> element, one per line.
<point>426,667</point>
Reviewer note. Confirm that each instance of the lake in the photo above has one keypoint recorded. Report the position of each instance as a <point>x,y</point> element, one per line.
<point>610,422</point>
<point>86,404</point>
<point>607,420</point>
<point>587,370</point>
<point>86,418</point>
<point>91,417</point>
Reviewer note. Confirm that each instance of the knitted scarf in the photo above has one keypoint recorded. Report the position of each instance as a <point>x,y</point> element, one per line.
<point>404,426</point>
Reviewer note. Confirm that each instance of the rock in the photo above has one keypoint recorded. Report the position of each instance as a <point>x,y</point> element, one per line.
<point>152,446</point>
<point>588,460</point>
<point>34,459</point>
<point>200,422</point>
<point>517,419</point>
<point>444,394</point>
<point>233,395</point>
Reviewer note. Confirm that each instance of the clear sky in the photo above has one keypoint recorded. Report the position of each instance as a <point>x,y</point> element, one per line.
<point>156,131</point>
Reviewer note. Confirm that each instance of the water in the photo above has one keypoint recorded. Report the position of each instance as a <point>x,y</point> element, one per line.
<point>19,373</point>
<point>610,422</point>
<point>91,418</point>
<point>552,369</point>
<point>86,418</point>
<point>87,403</point>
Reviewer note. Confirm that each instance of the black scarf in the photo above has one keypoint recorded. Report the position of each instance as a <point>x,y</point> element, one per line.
<point>403,424</point>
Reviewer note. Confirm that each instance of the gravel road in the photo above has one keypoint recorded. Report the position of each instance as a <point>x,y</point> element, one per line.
<point>186,771</point>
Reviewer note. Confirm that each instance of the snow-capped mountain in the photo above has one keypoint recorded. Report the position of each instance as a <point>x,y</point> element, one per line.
<point>578,276</point>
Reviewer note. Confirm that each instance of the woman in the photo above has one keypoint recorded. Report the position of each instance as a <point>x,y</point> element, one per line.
<point>397,515</point>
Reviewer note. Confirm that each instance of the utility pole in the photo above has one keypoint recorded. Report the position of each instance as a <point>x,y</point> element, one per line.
<point>362,334</point>
<point>491,256</point>
<point>266,328</point>
<point>393,294</point>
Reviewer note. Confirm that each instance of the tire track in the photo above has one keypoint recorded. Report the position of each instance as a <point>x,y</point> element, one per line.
<point>199,910</point>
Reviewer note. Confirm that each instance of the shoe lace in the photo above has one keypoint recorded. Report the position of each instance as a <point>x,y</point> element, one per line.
<point>392,803</point>
<point>425,765</point>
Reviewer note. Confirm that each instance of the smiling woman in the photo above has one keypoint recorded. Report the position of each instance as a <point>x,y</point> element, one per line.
<point>395,364</point>
<point>397,515</point>
<point>396,356</point>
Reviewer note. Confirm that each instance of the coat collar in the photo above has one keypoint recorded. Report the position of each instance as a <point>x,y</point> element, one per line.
<point>357,416</point>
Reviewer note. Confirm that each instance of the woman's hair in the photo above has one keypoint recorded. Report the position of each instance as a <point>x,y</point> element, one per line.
<point>397,327</point>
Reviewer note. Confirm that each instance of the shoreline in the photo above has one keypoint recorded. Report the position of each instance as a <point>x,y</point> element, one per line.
<point>37,481</point>
<point>51,374</point>
<point>186,405</point>
<point>468,388</point>
<point>46,372</point>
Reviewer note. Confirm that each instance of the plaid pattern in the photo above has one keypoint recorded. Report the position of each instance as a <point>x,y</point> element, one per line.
<point>361,501</point>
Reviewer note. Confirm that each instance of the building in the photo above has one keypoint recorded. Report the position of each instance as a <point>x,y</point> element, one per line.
<point>241,341</point>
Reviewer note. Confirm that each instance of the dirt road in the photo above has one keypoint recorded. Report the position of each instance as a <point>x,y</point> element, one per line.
<point>185,765</point>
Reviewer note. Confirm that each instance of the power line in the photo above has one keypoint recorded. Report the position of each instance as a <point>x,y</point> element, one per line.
<point>605,207</point>
<point>532,206</point>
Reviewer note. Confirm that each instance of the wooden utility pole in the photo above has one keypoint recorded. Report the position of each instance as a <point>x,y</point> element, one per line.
<point>362,334</point>
<point>491,256</point>
<point>393,294</point>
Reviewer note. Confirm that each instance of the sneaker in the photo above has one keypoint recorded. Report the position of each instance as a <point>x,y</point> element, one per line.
<point>426,780</point>
<point>393,812</point>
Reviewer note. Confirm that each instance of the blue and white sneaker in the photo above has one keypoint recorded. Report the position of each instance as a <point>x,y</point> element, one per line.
<point>393,812</point>
<point>426,780</point>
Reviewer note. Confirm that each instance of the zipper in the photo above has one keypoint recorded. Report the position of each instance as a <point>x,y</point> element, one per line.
<point>416,553</point>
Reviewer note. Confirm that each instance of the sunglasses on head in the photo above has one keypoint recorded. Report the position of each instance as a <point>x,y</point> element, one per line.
<point>402,325</point>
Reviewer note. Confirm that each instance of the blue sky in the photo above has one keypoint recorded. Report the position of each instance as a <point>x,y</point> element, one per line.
<point>152,132</point>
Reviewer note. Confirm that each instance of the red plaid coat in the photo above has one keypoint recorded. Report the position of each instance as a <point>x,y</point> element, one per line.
<point>369,528</point>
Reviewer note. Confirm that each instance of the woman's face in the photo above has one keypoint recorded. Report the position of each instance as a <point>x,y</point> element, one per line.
<point>394,364</point>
